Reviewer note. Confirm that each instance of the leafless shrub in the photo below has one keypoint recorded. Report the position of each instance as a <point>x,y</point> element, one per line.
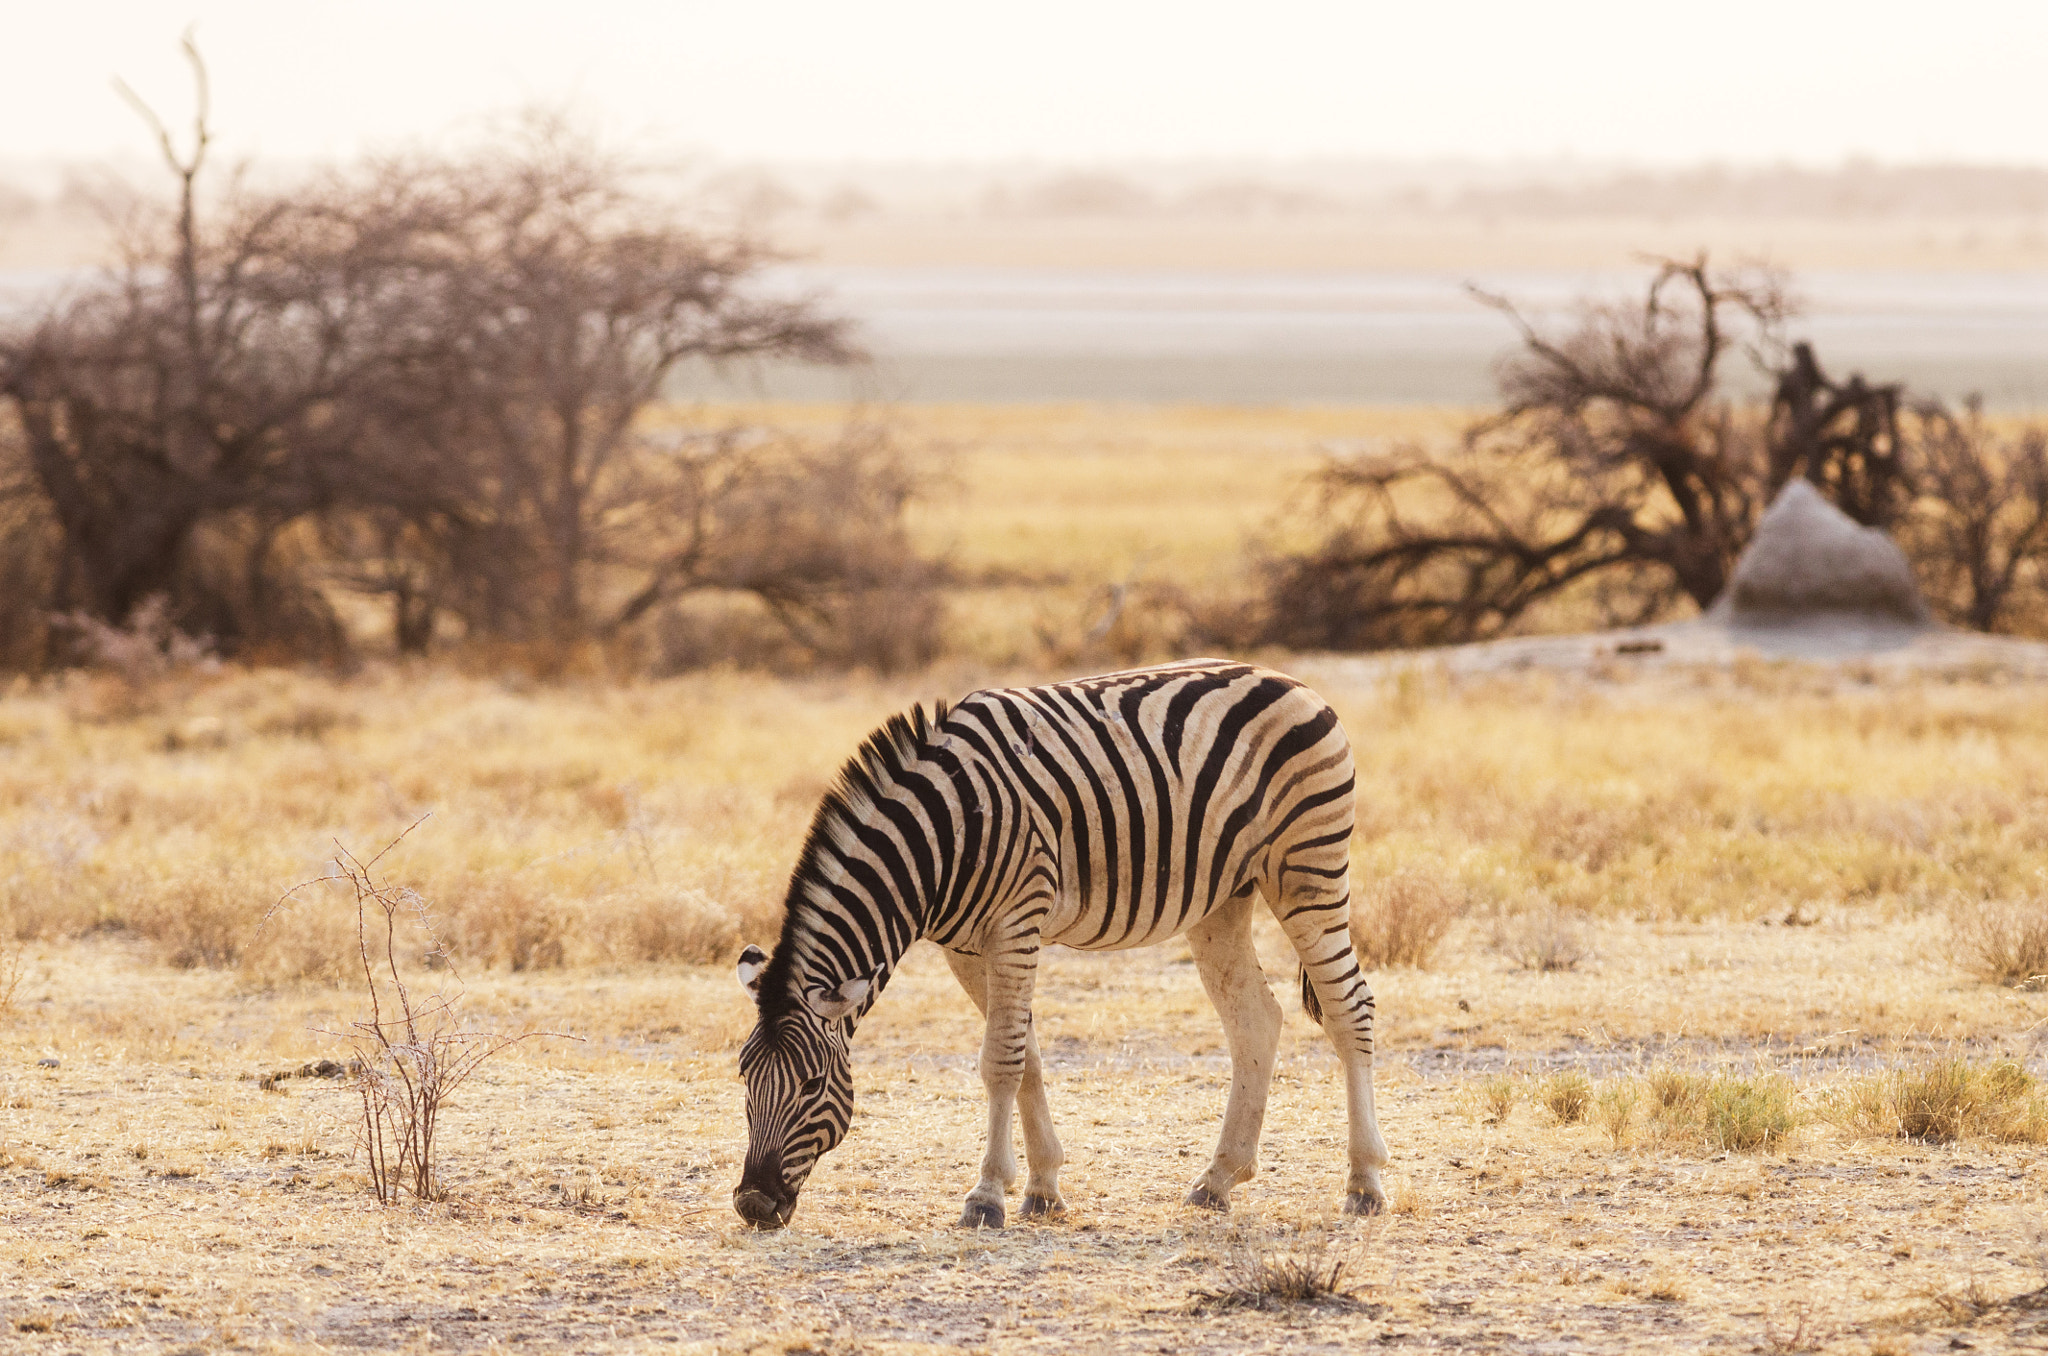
<point>29,557</point>
<point>2001,941</point>
<point>422,381</point>
<point>1256,1274</point>
<point>1404,918</point>
<point>143,649</point>
<point>410,1055</point>
<point>1545,938</point>
<point>1623,477</point>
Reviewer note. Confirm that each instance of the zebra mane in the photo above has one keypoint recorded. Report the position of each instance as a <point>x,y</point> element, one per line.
<point>884,754</point>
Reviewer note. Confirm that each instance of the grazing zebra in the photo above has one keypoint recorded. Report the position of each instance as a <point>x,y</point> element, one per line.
<point>1104,813</point>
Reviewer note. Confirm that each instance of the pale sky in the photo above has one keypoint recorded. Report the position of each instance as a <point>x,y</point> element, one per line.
<point>1073,80</point>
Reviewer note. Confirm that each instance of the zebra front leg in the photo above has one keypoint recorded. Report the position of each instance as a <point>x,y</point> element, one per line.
<point>1229,966</point>
<point>1005,1050</point>
<point>1042,1152</point>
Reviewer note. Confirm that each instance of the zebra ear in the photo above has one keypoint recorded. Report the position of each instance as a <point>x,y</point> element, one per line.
<point>752,962</point>
<point>839,1000</point>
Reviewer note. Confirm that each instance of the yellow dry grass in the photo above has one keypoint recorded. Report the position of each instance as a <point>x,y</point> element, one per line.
<point>1042,510</point>
<point>1739,879</point>
<point>1756,869</point>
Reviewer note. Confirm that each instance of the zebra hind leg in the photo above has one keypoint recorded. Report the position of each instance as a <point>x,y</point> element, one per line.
<point>1315,912</point>
<point>1222,945</point>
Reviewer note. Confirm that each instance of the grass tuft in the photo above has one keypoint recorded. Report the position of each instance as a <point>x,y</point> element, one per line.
<point>1566,1096</point>
<point>1944,1102</point>
<point>1711,1112</point>
<point>1615,1111</point>
<point>1747,1115</point>
<point>1260,1275</point>
<point>1497,1095</point>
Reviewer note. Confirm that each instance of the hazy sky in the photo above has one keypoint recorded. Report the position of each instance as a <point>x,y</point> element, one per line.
<point>1643,80</point>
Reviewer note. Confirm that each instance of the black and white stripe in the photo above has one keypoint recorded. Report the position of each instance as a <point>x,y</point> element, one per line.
<point>1104,813</point>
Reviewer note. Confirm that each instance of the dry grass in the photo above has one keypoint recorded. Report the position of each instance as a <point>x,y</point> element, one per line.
<point>1544,938</point>
<point>1943,1101</point>
<point>1746,1115</point>
<point>2002,941</point>
<point>1301,1267</point>
<point>1404,919</point>
<point>588,1186</point>
<point>598,852</point>
<point>1566,1096</point>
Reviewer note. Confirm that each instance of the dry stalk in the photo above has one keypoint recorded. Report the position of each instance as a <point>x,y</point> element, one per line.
<point>13,964</point>
<point>411,1054</point>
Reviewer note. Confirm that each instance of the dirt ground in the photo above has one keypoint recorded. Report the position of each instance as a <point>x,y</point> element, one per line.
<point>157,1198</point>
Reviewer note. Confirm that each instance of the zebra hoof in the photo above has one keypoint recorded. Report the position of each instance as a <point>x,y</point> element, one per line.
<point>980,1215</point>
<point>1204,1199</point>
<point>1365,1203</point>
<point>1036,1206</point>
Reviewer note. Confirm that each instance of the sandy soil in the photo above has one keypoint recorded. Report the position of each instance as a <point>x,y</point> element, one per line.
<point>157,1198</point>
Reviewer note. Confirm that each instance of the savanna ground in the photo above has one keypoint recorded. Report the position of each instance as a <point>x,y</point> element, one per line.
<point>1706,961</point>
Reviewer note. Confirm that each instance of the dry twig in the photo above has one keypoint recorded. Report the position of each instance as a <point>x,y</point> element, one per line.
<point>411,1054</point>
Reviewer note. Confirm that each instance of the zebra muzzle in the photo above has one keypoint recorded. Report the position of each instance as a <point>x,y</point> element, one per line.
<point>760,1209</point>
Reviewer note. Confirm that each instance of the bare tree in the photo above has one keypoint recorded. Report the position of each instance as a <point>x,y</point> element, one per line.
<point>422,380</point>
<point>1977,533</point>
<point>182,415</point>
<point>565,302</point>
<point>1842,436</point>
<point>1616,466</point>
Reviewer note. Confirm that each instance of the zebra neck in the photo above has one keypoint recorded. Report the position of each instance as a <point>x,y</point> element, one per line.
<point>817,961</point>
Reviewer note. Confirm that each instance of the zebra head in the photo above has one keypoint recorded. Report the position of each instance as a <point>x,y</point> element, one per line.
<point>799,1090</point>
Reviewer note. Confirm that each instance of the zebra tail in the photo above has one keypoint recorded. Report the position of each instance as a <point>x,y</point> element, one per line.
<point>1310,1004</point>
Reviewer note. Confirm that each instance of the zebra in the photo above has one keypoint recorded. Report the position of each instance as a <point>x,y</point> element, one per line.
<point>1100,814</point>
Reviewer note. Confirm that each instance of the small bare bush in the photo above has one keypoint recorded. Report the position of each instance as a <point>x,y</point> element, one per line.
<point>411,1054</point>
<point>147,647</point>
<point>1404,919</point>
<point>2001,941</point>
<point>1946,1101</point>
<point>1545,939</point>
<point>1258,1275</point>
<point>1566,1096</point>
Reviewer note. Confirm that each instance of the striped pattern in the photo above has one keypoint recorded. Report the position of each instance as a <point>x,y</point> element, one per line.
<point>1105,813</point>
